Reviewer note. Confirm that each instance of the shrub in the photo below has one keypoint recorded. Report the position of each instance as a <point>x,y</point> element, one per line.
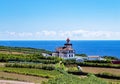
<point>73,69</point>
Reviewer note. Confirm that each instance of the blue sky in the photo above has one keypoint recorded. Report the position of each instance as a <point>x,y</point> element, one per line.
<point>59,19</point>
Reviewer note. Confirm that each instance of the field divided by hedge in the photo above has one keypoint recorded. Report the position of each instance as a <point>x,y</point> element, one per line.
<point>35,66</point>
<point>33,72</point>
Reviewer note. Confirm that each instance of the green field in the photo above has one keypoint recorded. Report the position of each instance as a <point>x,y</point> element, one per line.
<point>33,72</point>
<point>28,64</point>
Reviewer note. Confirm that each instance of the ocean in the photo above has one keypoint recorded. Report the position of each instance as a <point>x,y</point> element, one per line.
<point>96,47</point>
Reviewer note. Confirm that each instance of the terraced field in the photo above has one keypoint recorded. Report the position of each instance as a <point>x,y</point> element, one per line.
<point>97,70</point>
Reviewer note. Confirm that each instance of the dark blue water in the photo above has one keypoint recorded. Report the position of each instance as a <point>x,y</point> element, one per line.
<point>110,48</point>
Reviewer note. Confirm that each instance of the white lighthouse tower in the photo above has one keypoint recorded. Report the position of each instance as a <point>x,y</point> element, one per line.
<point>66,51</point>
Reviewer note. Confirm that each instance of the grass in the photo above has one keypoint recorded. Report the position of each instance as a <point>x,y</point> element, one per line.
<point>26,74</point>
<point>31,65</point>
<point>101,65</point>
<point>71,79</point>
<point>113,81</point>
<point>112,72</point>
<point>21,50</point>
<point>97,70</point>
<point>33,72</point>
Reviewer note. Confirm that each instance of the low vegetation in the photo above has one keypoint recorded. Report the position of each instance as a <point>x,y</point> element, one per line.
<point>20,77</point>
<point>99,65</point>
<point>33,72</point>
<point>106,64</point>
<point>31,62</point>
<point>108,75</point>
<point>81,55</point>
<point>110,57</point>
<point>72,79</point>
<point>23,50</point>
<point>99,61</point>
<point>37,58</point>
<point>27,65</point>
<point>97,70</point>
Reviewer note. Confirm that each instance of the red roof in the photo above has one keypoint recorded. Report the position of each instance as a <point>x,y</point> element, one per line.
<point>68,40</point>
<point>63,48</point>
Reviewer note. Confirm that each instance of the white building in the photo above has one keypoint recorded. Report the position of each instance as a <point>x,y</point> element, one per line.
<point>46,55</point>
<point>66,51</point>
<point>93,58</point>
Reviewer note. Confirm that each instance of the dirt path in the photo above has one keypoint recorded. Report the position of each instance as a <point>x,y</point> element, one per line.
<point>13,82</point>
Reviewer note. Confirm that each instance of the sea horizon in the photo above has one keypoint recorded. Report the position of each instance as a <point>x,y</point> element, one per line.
<point>61,40</point>
<point>88,47</point>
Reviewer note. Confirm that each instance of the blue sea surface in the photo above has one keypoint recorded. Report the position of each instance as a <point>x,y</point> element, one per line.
<point>99,47</point>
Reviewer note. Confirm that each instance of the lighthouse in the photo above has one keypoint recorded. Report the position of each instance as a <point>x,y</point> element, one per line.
<point>66,51</point>
<point>68,44</point>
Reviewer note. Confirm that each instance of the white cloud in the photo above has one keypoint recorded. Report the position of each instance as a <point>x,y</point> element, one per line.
<point>49,33</point>
<point>60,35</point>
<point>11,33</point>
<point>20,34</point>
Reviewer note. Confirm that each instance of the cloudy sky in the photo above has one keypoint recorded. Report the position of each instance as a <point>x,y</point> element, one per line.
<point>59,19</point>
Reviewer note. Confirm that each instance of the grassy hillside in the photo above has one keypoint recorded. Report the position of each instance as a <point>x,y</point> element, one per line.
<point>22,50</point>
<point>29,62</point>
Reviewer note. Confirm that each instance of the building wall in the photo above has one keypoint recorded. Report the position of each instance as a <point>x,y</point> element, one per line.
<point>95,58</point>
<point>55,54</point>
<point>66,54</point>
<point>89,58</point>
<point>70,55</point>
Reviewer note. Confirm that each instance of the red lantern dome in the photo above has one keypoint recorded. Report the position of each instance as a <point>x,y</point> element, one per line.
<point>68,40</point>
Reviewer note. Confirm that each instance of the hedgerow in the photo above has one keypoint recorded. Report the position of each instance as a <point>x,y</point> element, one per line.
<point>36,66</point>
<point>37,58</point>
<point>99,65</point>
<point>108,75</point>
<point>33,72</point>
